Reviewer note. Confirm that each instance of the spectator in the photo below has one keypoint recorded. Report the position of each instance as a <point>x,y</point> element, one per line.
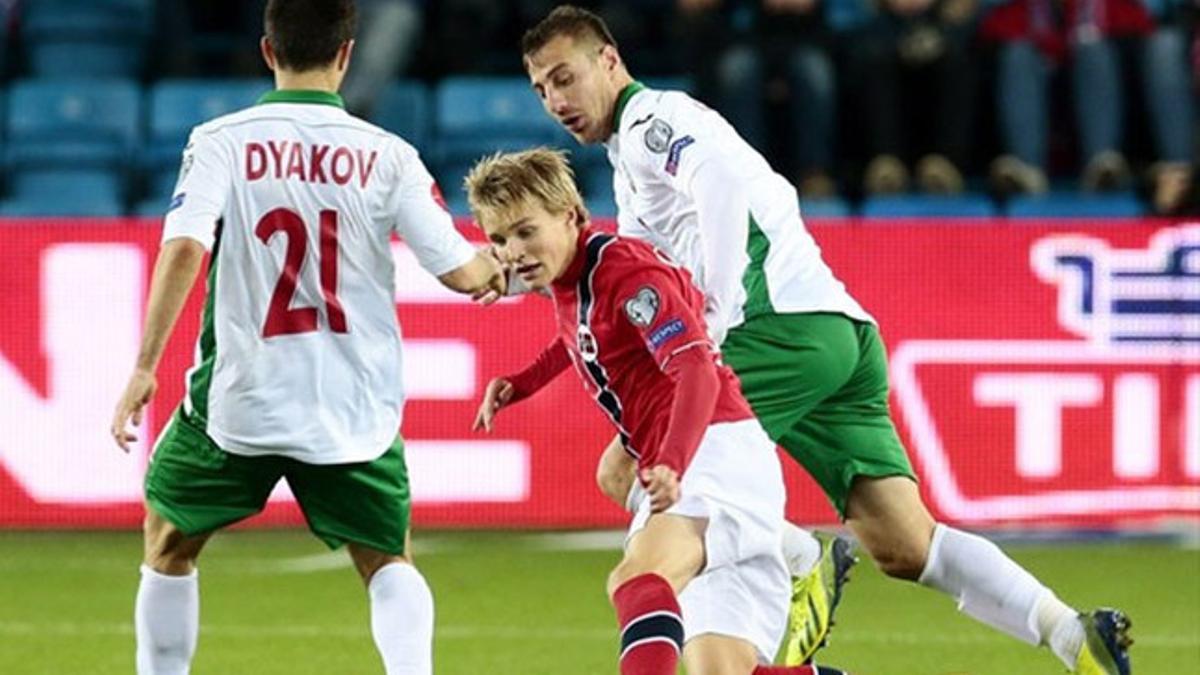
<point>214,38</point>
<point>1094,40</point>
<point>749,54</point>
<point>388,34</point>
<point>914,73</point>
<point>1169,101</point>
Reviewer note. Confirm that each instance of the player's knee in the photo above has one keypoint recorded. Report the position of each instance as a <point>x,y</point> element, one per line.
<point>167,550</point>
<point>900,559</point>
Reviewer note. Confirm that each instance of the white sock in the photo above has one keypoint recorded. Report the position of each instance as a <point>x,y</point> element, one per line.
<point>1061,629</point>
<point>988,585</point>
<point>402,619</point>
<point>166,620</point>
<point>801,549</point>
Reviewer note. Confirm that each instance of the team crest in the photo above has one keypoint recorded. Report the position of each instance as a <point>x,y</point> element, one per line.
<point>643,307</point>
<point>658,136</point>
<point>586,342</point>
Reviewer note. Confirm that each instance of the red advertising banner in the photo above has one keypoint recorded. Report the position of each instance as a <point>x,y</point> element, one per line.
<point>1042,373</point>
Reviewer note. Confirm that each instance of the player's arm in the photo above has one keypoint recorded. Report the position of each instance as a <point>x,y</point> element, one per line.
<point>508,390</point>
<point>696,163</point>
<point>422,220</point>
<point>481,276</point>
<point>675,337</point>
<point>189,230</point>
<point>175,273</point>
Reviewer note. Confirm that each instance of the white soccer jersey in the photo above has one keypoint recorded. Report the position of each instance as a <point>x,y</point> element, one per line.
<point>686,182</point>
<point>299,352</point>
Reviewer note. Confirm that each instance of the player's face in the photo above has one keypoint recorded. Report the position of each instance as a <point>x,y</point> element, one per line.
<point>575,82</point>
<point>538,244</point>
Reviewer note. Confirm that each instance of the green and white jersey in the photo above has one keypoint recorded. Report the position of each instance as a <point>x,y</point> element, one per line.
<point>687,183</point>
<point>299,351</point>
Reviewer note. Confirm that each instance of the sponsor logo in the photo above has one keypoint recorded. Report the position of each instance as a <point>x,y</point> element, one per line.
<point>677,148</point>
<point>1109,424</point>
<point>176,201</point>
<point>665,332</point>
<point>643,307</point>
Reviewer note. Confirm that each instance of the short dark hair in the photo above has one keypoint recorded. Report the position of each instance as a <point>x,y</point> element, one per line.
<point>306,34</point>
<point>576,22</point>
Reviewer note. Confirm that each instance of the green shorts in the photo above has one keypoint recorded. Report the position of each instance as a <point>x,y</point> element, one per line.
<point>819,385</point>
<point>200,488</point>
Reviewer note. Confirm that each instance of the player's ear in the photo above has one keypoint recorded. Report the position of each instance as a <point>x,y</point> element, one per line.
<point>609,57</point>
<point>268,53</point>
<point>343,55</point>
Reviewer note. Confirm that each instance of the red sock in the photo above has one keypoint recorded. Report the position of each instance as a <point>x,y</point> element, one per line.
<point>651,627</point>
<point>796,670</point>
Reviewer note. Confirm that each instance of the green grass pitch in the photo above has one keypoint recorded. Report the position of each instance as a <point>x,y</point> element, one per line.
<point>278,602</point>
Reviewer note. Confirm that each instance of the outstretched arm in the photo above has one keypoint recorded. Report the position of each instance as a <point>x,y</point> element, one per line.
<point>505,391</point>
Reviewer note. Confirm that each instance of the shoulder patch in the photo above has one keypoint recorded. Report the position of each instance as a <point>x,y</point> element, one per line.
<point>658,136</point>
<point>672,165</point>
<point>642,307</point>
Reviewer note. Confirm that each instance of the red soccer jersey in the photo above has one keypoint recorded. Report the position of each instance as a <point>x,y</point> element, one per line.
<point>623,312</point>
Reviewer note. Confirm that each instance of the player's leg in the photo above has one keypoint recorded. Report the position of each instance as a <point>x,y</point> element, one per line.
<point>788,364</point>
<point>366,506</point>
<point>852,449</point>
<point>192,488</point>
<point>660,559</point>
<point>893,524</point>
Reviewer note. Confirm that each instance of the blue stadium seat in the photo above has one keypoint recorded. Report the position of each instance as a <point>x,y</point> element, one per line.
<point>486,106</point>
<point>831,207</point>
<point>64,192</point>
<point>176,106</point>
<point>84,123</point>
<point>77,38</point>
<point>928,206</point>
<point>681,83</point>
<point>403,109</point>
<point>1056,204</point>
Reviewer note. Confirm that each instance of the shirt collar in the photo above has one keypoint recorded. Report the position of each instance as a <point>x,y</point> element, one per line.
<point>570,277</point>
<point>302,96</point>
<point>622,100</point>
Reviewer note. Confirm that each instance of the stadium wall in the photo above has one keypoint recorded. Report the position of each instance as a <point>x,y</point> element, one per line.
<point>1044,373</point>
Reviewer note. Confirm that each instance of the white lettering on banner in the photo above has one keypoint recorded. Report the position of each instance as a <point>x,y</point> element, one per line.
<point>936,463</point>
<point>1191,434</point>
<point>1038,399</point>
<point>439,369</point>
<point>58,447</point>
<point>1135,426</point>
<point>460,471</point>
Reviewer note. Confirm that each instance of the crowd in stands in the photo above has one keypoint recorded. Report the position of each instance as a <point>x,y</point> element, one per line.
<point>858,101</point>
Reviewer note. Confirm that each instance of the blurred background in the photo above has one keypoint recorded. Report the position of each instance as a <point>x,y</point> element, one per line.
<point>1006,185</point>
<point>873,107</point>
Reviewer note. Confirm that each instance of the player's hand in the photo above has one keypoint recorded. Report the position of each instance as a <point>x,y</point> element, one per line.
<point>662,486</point>
<point>139,391</point>
<point>498,285</point>
<point>497,395</point>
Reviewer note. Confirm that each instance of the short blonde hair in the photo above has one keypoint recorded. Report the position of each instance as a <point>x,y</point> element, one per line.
<point>500,184</point>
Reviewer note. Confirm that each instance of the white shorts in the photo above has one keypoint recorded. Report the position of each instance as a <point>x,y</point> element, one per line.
<point>744,590</point>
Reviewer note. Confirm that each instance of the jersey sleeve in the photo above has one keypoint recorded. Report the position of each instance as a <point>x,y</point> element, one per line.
<point>650,300</point>
<point>673,138</point>
<point>201,192</point>
<point>423,221</point>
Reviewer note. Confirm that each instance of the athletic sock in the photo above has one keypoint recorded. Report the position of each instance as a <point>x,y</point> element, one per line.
<point>166,619</point>
<point>402,619</point>
<point>1061,629</point>
<point>989,586</point>
<point>801,549</point>
<point>797,670</point>
<point>651,626</point>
